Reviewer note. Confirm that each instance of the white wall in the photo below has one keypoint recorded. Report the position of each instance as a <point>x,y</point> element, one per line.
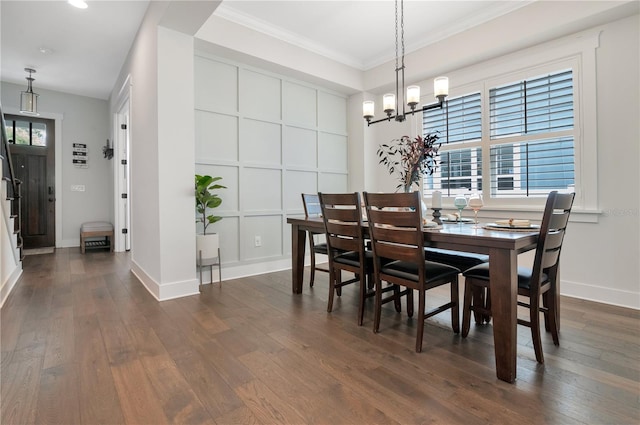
<point>271,138</point>
<point>83,120</point>
<point>160,70</point>
<point>141,67</point>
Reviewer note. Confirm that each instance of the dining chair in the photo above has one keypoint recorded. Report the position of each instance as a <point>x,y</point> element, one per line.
<point>533,283</point>
<point>342,217</point>
<point>311,204</point>
<point>395,228</point>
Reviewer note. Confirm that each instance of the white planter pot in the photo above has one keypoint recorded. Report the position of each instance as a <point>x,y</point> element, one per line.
<point>208,244</point>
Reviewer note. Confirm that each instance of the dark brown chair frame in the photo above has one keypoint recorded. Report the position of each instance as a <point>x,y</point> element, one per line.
<point>395,228</point>
<point>342,217</point>
<point>311,203</point>
<point>533,283</point>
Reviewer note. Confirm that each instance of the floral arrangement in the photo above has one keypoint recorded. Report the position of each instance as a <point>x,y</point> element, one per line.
<point>410,158</point>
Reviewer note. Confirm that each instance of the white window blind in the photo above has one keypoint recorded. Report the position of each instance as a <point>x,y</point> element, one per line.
<point>459,170</point>
<point>530,111</point>
<point>460,121</point>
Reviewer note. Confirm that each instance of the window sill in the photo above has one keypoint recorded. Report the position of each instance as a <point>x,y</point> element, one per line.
<point>527,213</point>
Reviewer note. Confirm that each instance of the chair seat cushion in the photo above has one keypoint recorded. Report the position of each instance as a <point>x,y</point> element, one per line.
<point>96,226</point>
<point>352,258</point>
<point>524,275</point>
<point>458,259</point>
<point>320,248</point>
<point>408,270</point>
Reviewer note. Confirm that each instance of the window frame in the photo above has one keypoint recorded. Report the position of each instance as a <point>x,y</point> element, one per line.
<point>575,52</point>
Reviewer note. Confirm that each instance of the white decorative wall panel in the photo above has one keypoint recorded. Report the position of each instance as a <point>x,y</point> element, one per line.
<point>216,85</point>
<point>261,142</point>
<point>332,152</point>
<point>332,113</point>
<point>296,183</point>
<point>269,230</point>
<point>259,96</point>
<point>261,190</point>
<point>300,147</point>
<point>299,104</point>
<point>229,179</point>
<point>271,139</point>
<point>216,136</point>
<point>229,230</point>
<point>332,183</point>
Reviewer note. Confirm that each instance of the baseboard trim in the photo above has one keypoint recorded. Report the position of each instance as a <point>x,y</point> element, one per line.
<point>600,294</point>
<point>10,283</point>
<point>165,291</point>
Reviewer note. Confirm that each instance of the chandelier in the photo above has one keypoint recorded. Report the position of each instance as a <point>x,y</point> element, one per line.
<point>29,99</point>
<point>390,101</point>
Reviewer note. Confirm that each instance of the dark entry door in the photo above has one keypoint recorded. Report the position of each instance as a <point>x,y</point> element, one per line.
<point>33,155</point>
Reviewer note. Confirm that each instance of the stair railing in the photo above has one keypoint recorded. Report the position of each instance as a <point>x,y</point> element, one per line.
<point>13,185</point>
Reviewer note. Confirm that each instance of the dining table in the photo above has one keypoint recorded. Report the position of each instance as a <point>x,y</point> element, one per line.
<point>502,247</point>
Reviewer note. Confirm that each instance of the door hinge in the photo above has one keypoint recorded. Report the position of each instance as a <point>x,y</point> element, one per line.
<point>124,196</point>
<point>123,126</point>
<point>125,230</point>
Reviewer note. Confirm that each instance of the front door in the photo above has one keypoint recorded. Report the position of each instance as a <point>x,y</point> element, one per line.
<point>32,147</point>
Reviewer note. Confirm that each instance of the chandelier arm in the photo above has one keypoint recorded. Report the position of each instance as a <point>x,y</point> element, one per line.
<point>436,105</point>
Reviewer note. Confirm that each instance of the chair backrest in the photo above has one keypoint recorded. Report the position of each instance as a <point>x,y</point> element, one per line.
<point>343,223</point>
<point>552,230</point>
<point>395,227</point>
<point>311,203</point>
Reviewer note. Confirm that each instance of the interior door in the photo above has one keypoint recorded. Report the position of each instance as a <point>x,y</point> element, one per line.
<point>123,174</point>
<point>33,155</point>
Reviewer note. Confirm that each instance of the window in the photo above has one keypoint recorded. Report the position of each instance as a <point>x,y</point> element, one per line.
<point>25,132</point>
<point>460,170</point>
<point>529,146</point>
<point>532,109</point>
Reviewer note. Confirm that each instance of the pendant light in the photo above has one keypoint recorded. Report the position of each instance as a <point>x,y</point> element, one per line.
<point>29,99</point>
<point>390,101</point>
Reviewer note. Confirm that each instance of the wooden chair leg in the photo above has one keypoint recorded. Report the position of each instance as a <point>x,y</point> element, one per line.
<point>487,305</point>
<point>534,318</point>
<point>409,302</point>
<point>363,296</point>
<point>313,260</point>
<point>466,307</point>
<point>551,321</point>
<point>478,300</point>
<point>377,307</point>
<point>397,298</point>
<point>420,334</point>
<point>332,289</point>
<point>455,309</point>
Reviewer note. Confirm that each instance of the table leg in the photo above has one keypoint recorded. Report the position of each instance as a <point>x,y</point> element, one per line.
<point>504,297</point>
<point>298,242</point>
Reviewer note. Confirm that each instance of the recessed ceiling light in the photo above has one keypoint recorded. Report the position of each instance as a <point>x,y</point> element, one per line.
<point>80,4</point>
<point>45,50</point>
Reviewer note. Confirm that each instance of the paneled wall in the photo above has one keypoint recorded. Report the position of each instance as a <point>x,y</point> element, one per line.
<point>270,138</point>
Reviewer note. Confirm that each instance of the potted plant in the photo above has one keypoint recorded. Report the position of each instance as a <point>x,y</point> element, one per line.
<point>207,245</point>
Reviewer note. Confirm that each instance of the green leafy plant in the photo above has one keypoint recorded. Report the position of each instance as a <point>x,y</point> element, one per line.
<point>206,199</point>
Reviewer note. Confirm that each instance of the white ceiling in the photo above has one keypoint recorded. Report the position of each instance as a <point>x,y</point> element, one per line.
<point>361,33</point>
<point>88,47</point>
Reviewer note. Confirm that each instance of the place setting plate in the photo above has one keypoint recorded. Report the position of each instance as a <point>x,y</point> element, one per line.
<point>513,226</point>
<point>463,220</point>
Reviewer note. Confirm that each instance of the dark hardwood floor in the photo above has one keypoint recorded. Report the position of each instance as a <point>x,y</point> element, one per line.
<point>84,343</point>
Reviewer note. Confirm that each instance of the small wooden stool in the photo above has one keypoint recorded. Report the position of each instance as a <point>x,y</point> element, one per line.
<point>95,229</point>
